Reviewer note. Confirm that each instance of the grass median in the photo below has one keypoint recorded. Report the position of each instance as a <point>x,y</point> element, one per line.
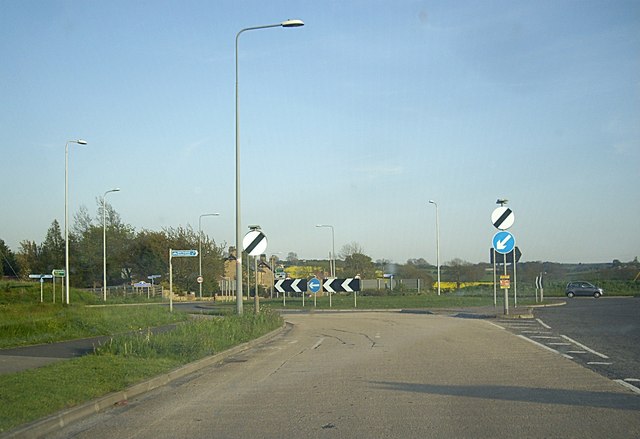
<point>121,362</point>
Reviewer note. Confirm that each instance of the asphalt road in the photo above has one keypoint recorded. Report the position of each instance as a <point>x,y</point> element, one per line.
<point>609,326</point>
<point>382,375</point>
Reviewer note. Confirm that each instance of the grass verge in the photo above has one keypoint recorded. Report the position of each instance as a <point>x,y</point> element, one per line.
<point>122,362</point>
<point>29,324</point>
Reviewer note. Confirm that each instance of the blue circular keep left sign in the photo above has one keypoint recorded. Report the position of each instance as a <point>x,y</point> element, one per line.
<point>314,285</point>
<point>504,242</point>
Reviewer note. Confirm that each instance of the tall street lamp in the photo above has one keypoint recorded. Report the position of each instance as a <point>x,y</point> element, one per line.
<point>104,242</point>
<point>66,214</point>
<point>332,262</point>
<point>437,242</point>
<point>288,23</point>
<point>200,246</point>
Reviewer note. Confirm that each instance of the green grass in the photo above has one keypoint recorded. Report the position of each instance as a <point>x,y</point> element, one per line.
<point>122,362</point>
<point>27,324</point>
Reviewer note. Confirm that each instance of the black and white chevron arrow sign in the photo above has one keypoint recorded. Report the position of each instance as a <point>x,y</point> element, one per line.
<point>291,285</point>
<point>348,285</point>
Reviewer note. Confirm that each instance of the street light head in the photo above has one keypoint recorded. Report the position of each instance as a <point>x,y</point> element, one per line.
<point>432,202</point>
<point>115,189</point>
<point>292,23</point>
<point>81,142</point>
<point>502,201</point>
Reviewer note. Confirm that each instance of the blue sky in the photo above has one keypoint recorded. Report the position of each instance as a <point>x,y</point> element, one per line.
<point>356,120</point>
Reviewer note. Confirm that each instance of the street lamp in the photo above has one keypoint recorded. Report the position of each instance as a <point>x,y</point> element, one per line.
<point>104,242</point>
<point>287,23</point>
<point>437,242</point>
<point>200,246</point>
<point>66,214</point>
<point>332,262</point>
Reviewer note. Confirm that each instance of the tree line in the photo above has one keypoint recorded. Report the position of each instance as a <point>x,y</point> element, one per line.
<point>132,255</point>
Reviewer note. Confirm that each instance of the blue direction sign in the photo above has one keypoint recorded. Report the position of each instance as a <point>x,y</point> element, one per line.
<point>504,242</point>
<point>183,253</point>
<point>314,285</point>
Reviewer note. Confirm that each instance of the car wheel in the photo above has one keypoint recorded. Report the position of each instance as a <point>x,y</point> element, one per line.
<point>570,294</point>
<point>596,294</point>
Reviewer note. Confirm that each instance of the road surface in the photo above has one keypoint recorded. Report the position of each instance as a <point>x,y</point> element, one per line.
<point>380,375</point>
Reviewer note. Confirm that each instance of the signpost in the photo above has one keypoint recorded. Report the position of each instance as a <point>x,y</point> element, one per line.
<point>176,254</point>
<point>254,243</point>
<point>504,242</point>
<point>42,277</point>
<point>60,274</point>
<point>502,218</point>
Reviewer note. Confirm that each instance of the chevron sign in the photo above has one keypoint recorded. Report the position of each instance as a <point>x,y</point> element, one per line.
<point>291,285</point>
<point>341,285</point>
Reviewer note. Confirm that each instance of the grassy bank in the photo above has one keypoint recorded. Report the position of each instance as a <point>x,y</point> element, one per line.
<point>121,362</point>
<point>28,324</point>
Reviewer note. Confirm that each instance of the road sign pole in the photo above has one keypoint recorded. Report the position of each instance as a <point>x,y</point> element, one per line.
<point>506,290</point>
<point>495,287</point>
<point>515,280</point>
<point>170,283</point>
<point>256,299</point>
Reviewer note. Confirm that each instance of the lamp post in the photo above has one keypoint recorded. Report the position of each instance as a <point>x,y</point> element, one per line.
<point>104,242</point>
<point>66,214</point>
<point>287,23</point>
<point>437,242</point>
<point>332,262</point>
<point>200,246</point>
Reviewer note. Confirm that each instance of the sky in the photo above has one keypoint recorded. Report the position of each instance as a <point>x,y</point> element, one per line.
<point>355,120</point>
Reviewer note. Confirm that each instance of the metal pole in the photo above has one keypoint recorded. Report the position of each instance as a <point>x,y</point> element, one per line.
<point>66,213</point>
<point>170,283</point>
<point>104,242</point>
<point>495,288</point>
<point>288,23</point>
<point>256,299</point>
<point>515,280</point>
<point>506,290</point>
<point>437,242</point>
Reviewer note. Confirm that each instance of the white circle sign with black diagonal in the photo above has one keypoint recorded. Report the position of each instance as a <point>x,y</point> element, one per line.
<point>254,243</point>
<point>502,218</point>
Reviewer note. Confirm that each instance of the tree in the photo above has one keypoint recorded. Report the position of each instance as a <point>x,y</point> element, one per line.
<point>463,271</point>
<point>52,249</point>
<point>351,249</point>
<point>9,264</point>
<point>292,257</point>
<point>358,264</point>
<point>29,258</point>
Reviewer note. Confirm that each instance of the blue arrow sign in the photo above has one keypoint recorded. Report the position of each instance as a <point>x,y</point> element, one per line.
<point>504,242</point>
<point>183,253</point>
<point>314,285</point>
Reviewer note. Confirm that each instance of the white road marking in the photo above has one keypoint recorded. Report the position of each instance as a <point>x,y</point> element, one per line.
<point>602,363</point>
<point>585,348</point>
<point>632,380</point>
<point>576,352</point>
<point>493,324</point>
<point>318,343</point>
<point>631,387</point>
<point>537,332</point>
<point>544,337</point>
<point>544,346</point>
<point>559,343</point>
<point>543,324</point>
